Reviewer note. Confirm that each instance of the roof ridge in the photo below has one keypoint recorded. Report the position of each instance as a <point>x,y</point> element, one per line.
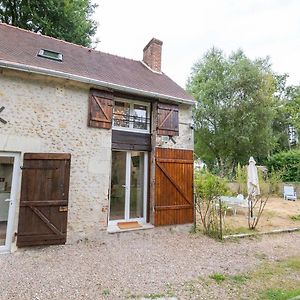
<point>66,42</point>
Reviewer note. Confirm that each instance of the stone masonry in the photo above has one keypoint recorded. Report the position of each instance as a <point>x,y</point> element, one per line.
<point>51,116</point>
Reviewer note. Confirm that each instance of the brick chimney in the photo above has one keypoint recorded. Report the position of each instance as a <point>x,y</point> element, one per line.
<point>152,55</point>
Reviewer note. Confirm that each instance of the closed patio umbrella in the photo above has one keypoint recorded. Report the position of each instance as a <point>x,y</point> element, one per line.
<point>252,178</point>
<point>252,183</point>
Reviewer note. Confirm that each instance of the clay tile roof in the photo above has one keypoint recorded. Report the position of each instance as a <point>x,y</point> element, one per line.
<point>22,46</point>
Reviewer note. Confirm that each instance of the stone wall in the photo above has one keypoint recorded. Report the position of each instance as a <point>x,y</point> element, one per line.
<point>51,116</point>
<point>185,139</point>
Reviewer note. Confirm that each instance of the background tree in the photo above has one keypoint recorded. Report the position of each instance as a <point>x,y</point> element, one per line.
<point>69,20</point>
<point>293,107</point>
<point>281,119</point>
<point>237,102</point>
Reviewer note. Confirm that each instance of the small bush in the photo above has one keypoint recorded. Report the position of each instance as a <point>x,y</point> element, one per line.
<point>287,163</point>
<point>209,186</point>
<point>208,189</point>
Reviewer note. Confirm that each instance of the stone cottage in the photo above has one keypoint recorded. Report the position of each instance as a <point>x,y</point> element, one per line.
<point>90,142</point>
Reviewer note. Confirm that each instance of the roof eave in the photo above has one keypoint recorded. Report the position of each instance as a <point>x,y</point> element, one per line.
<point>43,71</point>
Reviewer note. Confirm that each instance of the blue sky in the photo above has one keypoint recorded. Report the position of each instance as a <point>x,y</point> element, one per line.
<point>189,28</point>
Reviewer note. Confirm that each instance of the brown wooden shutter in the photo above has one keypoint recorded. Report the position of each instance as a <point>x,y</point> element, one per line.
<point>44,199</point>
<point>173,187</point>
<point>100,109</point>
<point>167,123</point>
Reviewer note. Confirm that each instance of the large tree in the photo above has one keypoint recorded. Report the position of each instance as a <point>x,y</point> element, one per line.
<point>237,102</point>
<point>293,107</point>
<point>69,20</point>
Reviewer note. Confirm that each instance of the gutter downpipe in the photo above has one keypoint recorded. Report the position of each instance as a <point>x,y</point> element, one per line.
<point>63,75</point>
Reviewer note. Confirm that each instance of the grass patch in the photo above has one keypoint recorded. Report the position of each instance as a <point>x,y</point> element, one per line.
<point>279,294</point>
<point>269,280</point>
<point>169,290</point>
<point>189,287</point>
<point>217,277</point>
<point>155,296</point>
<point>261,256</point>
<point>106,292</point>
<point>132,296</point>
<point>237,230</point>
<point>295,218</point>
<point>240,278</point>
<point>292,263</point>
<point>270,214</point>
<point>268,270</point>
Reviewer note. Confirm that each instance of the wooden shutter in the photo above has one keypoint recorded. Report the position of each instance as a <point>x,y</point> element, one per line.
<point>167,120</point>
<point>173,187</point>
<point>44,199</point>
<point>100,109</point>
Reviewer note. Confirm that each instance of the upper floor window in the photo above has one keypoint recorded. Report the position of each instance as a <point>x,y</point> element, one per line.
<point>131,116</point>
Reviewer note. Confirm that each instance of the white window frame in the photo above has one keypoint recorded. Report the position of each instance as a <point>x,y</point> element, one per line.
<point>131,104</point>
<point>6,248</point>
<point>128,191</point>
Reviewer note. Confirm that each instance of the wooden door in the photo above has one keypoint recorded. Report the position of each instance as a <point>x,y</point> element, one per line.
<point>174,187</point>
<point>44,199</point>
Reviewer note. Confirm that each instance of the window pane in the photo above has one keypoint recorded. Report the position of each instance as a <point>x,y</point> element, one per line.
<point>121,114</point>
<point>140,117</point>
<point>6,172</point>
<point>51,54</point>
<point>118,181</point>
<point>137,185</point>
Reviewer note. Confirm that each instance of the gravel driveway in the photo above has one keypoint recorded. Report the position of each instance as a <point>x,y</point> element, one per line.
<point>132,263</point>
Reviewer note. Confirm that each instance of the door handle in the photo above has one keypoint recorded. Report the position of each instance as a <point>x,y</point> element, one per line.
<point>124,185</point>
<point>7,200</point>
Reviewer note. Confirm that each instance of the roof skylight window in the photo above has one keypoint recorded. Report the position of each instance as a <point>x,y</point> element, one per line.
<point>50,54</point>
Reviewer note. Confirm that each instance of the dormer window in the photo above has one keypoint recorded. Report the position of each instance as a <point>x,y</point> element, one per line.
<point>50,54</point>
<point>131,116</point>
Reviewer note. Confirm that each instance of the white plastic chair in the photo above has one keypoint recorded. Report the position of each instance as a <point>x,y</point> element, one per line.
<point>289,193</point>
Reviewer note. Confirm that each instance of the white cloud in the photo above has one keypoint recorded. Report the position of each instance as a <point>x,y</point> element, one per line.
<point>189,28</point>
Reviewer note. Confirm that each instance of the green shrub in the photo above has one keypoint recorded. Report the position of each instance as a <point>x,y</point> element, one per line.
<point>208,189</point>
<point>287,163</point>
<point>209,186</point>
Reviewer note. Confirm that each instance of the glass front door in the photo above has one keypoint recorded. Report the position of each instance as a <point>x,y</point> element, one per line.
<point>128,186</point>
<point>8,177</point>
